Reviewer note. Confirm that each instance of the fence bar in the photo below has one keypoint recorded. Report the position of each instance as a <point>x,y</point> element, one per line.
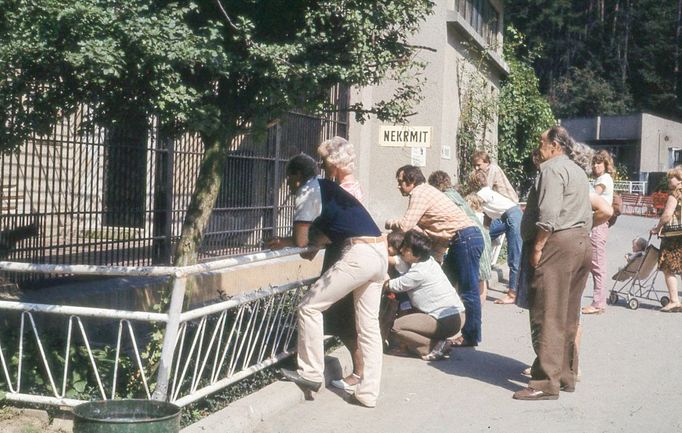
<point>39,399</point>
<point>146,271</point>
<point>83,311</point>
<point>210,389</point>
<point>242,299</point>
<point>169,339</point>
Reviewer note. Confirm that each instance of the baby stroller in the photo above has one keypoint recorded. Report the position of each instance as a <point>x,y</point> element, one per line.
<point>637,280</point>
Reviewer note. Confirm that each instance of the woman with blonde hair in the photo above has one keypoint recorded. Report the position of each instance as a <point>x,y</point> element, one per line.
<point>338,163</point>
<point>602,168</point>
<point>670,258</point>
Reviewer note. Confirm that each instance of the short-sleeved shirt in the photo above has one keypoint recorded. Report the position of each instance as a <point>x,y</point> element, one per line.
<point>333,211</point>
<point>607,182</point>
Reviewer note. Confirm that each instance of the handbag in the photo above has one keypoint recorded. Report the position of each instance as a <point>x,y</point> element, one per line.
<point>670,231</point>
<point>674,227</point>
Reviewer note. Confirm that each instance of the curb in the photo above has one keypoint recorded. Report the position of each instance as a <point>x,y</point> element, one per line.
<point>243,416</point>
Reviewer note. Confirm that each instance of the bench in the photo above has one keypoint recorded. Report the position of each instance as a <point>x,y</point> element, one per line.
<point>631,204</point>
<point>635,204</point>
<point>647,205</point>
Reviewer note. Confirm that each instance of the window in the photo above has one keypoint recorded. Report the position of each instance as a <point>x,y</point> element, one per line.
<point>482,17</point>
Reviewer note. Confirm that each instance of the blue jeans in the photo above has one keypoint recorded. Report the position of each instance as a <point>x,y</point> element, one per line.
<point>461,267</point>
<point>510,224</point>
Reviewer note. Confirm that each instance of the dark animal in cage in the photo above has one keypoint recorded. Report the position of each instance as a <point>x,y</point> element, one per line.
<point>9,238</point>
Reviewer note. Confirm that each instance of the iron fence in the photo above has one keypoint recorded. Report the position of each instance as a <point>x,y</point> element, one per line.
<point>118,196</point>
<point>64,355</point>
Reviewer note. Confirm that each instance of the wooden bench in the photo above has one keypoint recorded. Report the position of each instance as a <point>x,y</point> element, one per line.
<point>635,204</point>
<point>631,204</point>
<point>647,205</point>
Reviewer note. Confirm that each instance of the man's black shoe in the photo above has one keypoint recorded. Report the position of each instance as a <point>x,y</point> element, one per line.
<point>293,376</point>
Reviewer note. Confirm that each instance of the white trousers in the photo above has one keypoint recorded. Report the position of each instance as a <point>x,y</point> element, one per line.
<point>360,270</point>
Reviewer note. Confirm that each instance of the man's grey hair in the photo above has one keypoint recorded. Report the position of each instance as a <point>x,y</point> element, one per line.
<point>582,155</point>
<point>302,164</point>
<point>560,136</point>
<point>340,153</point>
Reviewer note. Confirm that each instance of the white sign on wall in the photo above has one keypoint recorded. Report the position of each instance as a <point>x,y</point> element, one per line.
<point>418,156</point>
<point>405,136</point>
<point>445,152</point>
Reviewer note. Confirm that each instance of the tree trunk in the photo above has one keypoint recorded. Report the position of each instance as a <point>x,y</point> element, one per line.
<point>678,35</point>
<point>626,38</point>
<point>205,193</point>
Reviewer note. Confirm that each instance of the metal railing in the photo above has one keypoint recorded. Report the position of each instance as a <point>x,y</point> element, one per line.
<point>630,187</point>
<point>203,349</point>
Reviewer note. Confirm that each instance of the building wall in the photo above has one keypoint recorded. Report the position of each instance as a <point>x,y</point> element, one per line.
<point>445,32</point>
<point>659,137</point>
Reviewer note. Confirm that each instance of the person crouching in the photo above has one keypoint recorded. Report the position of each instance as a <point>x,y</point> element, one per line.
<point>439,312</point>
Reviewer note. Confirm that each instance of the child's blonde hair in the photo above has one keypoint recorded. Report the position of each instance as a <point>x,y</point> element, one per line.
<point>474,202</point>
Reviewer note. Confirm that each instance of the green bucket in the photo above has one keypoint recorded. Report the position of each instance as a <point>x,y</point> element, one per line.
<point>126,416</point>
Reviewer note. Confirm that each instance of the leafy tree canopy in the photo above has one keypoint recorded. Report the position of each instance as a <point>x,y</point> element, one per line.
<point>218,68</point>
<point>205,66</point>
<point>524,113</point>
<point>584,93</point>
<point>624,52</point>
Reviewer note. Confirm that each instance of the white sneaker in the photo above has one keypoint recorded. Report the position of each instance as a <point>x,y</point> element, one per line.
<point>341,384</point>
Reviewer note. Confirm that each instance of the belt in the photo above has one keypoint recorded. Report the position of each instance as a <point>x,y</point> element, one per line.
<point>366,240</point>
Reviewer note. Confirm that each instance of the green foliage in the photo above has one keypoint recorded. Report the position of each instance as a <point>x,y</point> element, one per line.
<point>626,54</point>
<point>477,110</point>
<point>583,93</point>
<point>523,112</point>
<point>202,66</point>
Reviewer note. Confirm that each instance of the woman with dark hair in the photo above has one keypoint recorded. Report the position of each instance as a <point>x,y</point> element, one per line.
<point>439,311</point>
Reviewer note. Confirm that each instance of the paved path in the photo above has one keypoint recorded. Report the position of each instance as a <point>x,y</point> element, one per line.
<point>631,378</point>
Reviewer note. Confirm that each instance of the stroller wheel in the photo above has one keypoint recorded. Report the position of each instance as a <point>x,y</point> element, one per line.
<point>665,301</point>
<point>633,303</point>
<point>613,298</point>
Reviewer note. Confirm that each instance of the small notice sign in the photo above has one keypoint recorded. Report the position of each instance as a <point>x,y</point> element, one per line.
<point>418,156</point>
<point>405,136</point>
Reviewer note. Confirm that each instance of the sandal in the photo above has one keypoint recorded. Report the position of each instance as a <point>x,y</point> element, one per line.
<point>462,342</point>
<point>506,300</point>
<point>670,307</point>
<point>440,351</point>
<point>593,310</point>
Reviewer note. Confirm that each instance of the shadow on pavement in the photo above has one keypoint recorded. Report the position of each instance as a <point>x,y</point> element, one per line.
<point>486,367</point>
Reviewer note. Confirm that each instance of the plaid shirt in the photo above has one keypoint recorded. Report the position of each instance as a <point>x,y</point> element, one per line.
<point>433,213</point>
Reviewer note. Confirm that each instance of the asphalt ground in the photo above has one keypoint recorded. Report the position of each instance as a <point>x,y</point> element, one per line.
<point>631,380</point>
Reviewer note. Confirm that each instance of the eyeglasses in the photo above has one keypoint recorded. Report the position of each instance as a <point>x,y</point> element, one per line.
<point>401,181</point>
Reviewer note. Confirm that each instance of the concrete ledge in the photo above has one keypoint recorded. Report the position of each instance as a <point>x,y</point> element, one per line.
<point>242,416</point>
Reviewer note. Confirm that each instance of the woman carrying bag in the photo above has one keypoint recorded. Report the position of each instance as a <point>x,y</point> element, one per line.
<point>669,229</point>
